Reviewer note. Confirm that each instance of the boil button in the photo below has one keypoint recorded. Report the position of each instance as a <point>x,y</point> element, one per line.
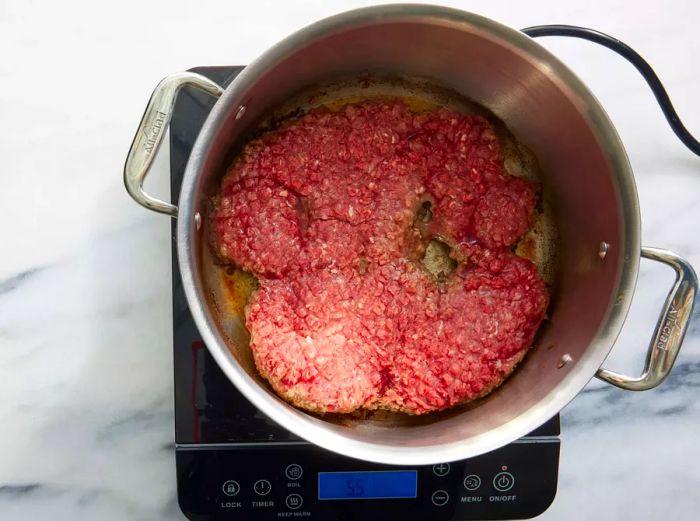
<point>293,471</point>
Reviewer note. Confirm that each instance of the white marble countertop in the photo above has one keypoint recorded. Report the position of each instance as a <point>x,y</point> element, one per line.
<point>85,314</point>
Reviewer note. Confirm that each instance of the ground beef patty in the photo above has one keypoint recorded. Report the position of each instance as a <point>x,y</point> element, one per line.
<point>309,340</point>
<point>461,349</point>
<point>326,212</point>
<point>338,188</point>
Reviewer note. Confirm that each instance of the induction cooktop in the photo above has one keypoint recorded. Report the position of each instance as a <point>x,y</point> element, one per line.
<point>233,462</point>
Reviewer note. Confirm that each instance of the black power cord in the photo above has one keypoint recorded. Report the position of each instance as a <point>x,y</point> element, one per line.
<point>635,59</point>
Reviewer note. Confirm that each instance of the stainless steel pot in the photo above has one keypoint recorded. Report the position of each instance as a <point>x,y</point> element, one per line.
<point>586,173</point>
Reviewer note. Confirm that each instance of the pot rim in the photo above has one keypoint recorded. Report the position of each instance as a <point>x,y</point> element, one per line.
<point>315,430</point>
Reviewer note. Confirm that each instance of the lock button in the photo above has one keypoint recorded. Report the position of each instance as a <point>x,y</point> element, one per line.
<point>231,488</point>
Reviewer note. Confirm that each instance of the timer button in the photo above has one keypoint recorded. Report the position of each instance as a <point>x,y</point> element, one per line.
<point>441,469</point>
<point>440,498</point>
<point>293,471</point>
<point>503,481</point>
<point>262,487</point>
<point>294,501</point>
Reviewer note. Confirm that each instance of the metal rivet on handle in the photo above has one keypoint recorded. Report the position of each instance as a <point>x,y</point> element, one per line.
<point>197,221</point>
<point>603,250</point>
<point>241,111</point>
<point>564,360</point>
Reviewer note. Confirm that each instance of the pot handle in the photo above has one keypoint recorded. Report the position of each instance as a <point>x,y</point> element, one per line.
<point>151,131</point>
<point>675,316</point>
<point>670,328</point>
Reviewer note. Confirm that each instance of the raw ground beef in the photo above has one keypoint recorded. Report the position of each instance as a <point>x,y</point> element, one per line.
<point>337,185</point>
<point>324,212</point>
<point>312,345</point>
<point>482,327</point>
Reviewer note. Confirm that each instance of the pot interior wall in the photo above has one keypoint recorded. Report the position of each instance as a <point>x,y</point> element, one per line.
<point>544,114</point>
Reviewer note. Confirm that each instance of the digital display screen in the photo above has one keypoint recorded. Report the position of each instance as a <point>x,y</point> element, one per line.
<point>389,484</point>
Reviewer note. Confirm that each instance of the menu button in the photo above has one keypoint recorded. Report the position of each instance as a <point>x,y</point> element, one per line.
<point>472,482</point>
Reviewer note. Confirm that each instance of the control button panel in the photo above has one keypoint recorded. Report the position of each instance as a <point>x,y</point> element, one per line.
<point>271,483</point>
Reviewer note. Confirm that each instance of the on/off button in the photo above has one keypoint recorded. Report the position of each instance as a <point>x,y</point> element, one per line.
<point>503,481</point>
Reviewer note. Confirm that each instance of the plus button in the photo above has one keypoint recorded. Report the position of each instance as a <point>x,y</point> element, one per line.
<point>441,469</point>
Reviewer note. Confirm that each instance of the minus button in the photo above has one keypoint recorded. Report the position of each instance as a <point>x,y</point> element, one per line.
<point>440,498</point>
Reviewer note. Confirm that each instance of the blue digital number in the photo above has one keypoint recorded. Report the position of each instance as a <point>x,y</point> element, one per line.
<point>368,485</point>
<point>356,487</point>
